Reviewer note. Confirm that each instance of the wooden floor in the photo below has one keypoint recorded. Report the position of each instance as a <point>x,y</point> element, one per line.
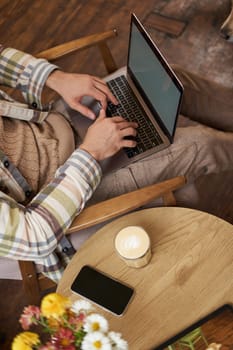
<point>187,33</point>
<point>38,24</point>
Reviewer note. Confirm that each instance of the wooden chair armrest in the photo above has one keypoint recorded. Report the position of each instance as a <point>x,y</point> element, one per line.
<point>100,39</point>
<point>120,205</point>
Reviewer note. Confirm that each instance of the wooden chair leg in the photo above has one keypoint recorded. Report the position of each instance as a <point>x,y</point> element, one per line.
<point>169,199</point>
<point>30,282</point>
<point>108,59</point>
<point>34,284</point>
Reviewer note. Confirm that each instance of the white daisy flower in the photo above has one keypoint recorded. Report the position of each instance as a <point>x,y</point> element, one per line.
<point>81,306</point>
<point>118,342</point>
<point>96,341</point>
<point>95,322</point>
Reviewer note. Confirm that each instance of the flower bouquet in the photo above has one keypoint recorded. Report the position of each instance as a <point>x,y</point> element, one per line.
<point>65,326</point>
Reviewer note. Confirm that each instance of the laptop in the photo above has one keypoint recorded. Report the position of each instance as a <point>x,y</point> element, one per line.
<point>148,92</point>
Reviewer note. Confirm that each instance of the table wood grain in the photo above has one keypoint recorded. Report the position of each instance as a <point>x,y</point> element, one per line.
<point>189,276</point>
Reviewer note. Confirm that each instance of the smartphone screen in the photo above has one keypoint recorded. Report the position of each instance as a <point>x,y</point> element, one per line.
<point>103,290</point>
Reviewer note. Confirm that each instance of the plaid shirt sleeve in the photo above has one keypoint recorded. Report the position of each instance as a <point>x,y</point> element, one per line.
<point>28,74</point>
<point>34,232</point>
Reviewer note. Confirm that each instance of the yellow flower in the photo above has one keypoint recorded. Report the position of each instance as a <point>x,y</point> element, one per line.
<point>25,341</point>
<point>54,305</point>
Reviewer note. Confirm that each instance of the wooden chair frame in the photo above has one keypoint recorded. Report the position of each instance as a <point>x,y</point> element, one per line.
<point>36,283</point>
<point>99,40</point>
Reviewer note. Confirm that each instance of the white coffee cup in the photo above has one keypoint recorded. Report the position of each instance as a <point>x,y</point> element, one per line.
<point>133,245</point>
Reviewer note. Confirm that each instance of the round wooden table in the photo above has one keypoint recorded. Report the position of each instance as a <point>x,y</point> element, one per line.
<point>189,276</point>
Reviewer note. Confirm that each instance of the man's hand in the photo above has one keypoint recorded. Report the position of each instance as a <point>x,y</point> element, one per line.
<point>72,87</point>
<point>106,136</point>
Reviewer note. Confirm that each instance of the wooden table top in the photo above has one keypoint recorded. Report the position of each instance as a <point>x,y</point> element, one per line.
<point>189,276</point>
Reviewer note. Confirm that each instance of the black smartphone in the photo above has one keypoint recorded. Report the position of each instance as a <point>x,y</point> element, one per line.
<point>103,290</point>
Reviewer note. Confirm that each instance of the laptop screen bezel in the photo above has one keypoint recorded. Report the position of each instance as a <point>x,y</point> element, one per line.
<point>146,36</point>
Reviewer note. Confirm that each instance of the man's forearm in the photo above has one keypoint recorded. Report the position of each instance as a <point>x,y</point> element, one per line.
<point>33,232</point>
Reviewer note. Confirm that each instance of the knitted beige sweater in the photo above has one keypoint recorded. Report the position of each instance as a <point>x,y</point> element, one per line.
<point>32,148</point>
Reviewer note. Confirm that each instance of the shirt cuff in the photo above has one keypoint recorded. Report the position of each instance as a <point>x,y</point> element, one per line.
<point>87,166</point>
<point>39,70</point>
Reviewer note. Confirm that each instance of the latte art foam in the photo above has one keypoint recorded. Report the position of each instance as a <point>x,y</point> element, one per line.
<point>132,242</point>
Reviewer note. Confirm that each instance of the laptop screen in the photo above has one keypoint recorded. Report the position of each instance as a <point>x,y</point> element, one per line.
<point>154,79</point>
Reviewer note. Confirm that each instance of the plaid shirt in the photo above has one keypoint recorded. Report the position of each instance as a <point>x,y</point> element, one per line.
<point>36,232</point>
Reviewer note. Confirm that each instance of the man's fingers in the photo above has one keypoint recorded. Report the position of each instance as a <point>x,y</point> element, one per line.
<point>128,143</point>
<point>103,88</point>
<point>98,80</point>
<point>102,114</point>
<point>125,125</point>
<point>128,132</point>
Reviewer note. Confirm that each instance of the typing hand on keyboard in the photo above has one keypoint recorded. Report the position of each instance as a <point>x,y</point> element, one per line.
<point>106,136</point>
<point>147,136</point>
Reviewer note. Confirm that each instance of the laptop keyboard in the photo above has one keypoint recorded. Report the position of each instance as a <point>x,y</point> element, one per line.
<point>147,135</point>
